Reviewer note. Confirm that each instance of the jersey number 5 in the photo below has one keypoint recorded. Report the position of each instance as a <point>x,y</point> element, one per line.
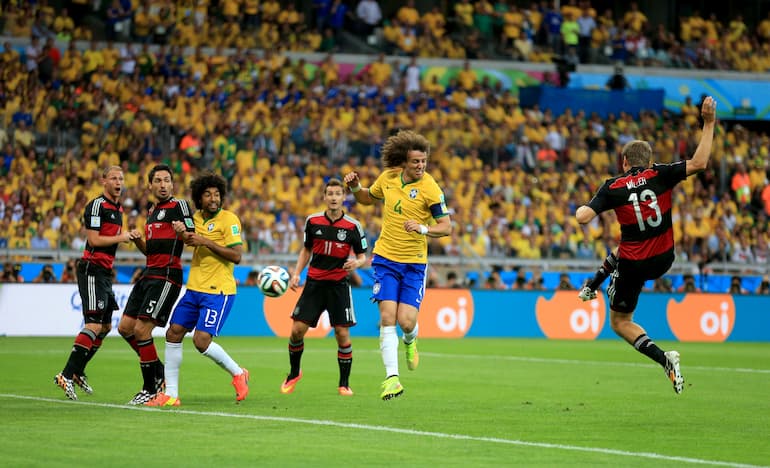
<point>647,196</point>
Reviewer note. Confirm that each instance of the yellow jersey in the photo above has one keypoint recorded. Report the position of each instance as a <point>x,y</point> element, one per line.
<point>210,273</point>
<point>421,200</point>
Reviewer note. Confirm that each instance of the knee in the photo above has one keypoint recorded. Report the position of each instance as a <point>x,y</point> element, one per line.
<point>125,330</point>
<point>201,343</point>
<point>342,334</point>
<point>618,321</point>
<point>175,334</point>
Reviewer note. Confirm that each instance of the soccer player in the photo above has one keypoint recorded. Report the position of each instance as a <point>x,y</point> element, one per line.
<point>330,236</point>
<point>414,208</point>
<point>641,198</point>
<point>103,220</point>
<point>158,287</point>
<point>211,288</point>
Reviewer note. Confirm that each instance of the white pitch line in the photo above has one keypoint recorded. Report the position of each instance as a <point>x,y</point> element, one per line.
<point>396,430</point>
<point>745,370</point>
<point>585,362</point>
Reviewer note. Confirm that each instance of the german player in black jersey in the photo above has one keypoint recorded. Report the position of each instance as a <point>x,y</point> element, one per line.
<point>103,220</point>
<point>154,294</point>
<point>641,198</point>
<point>330,237</point>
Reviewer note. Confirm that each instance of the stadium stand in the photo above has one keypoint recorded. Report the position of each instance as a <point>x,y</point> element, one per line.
<point>201,87</point>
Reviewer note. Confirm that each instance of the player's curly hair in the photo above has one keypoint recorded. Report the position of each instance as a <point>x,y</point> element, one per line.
<point>638,153</point>
<point>397,146</point>
<point>207,181</point>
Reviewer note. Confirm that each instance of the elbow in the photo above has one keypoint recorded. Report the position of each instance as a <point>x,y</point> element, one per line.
<point>699,166</point>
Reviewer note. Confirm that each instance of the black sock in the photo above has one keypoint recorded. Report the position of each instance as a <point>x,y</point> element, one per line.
<point>78,359</point>
<point>97,345</point>
<point>646,346</point>
<point>345,361</point>
<point>295,356</point>
<point>160,376</point>
<point>608,266</point>
<point>148,362</point>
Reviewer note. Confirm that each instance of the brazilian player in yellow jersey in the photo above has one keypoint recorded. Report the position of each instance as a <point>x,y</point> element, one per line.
<point>210,288</point>
<point>414,207</point>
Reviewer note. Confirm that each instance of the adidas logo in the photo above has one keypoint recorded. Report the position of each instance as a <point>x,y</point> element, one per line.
<point>318,232</point>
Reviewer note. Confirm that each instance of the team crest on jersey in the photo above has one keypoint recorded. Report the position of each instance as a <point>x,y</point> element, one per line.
<point>161,214</point>
<point>342,234</point>
<point>210,227</point>
<point>100,304</point>
<point>413,193</point>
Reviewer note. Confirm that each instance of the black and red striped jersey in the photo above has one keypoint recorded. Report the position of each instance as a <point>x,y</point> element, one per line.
<point>105,216</point>
<point>331,243</point>
<point>641,198</point>
<point>164,248</point>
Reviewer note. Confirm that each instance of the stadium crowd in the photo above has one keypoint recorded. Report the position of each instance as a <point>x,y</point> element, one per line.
<point>503,29</point>
<point>277,128</point>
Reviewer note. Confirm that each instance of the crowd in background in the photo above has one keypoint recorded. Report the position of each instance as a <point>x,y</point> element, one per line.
<point>278,128</point>
<point>504,29</point>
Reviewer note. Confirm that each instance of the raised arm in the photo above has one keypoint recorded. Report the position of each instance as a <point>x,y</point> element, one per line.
<point>360,193</point>
<point>700,158</point>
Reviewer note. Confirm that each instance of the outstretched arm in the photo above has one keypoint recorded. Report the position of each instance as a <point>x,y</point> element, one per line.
<point>700,158</point>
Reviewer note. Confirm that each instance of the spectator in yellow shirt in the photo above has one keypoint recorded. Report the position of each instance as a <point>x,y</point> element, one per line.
<point>467,77</point>
<point>408,15</point>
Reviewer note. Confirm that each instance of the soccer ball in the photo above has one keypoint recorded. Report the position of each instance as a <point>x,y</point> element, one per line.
<point>273,281</point>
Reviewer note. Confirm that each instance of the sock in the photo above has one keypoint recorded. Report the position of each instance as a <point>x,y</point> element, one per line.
<point>646,346</point>
<point>76,363</point>
<point>295,356</point>
<point>131,340</point>
<point>217,354</point>
<point>608,266</point>
<point>345,361</point>
<point>173,363</point>
<point>160,375</point>
<point>148,361</point>
<point>411,336</point>
<point>97,344</point>
<point>389,349</point>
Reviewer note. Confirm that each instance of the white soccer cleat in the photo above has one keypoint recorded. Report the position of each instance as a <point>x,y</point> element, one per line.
<point>586,294</point>
<point>672,371</point>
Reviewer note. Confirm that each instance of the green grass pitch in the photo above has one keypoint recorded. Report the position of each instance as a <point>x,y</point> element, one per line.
<point>471,402</point>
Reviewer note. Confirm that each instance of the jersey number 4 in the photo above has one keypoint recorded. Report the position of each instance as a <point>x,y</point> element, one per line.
<point>651,200</point>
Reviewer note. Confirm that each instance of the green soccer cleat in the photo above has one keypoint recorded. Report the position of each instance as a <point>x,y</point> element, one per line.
<point>391,388</point>
<point>412,356</point>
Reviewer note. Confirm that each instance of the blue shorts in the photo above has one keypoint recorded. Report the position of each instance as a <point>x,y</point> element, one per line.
<point>202,311</point>
<point>400,282</point>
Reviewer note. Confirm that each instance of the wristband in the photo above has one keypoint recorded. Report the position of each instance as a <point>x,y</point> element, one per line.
<point>356,188</point>
<point>423,229</point>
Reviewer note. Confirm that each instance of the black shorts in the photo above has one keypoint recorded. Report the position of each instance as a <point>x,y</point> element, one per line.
<point>627,281</point>
<point>152,299</point>
<point>96,294</point>
<point>334,297</point>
